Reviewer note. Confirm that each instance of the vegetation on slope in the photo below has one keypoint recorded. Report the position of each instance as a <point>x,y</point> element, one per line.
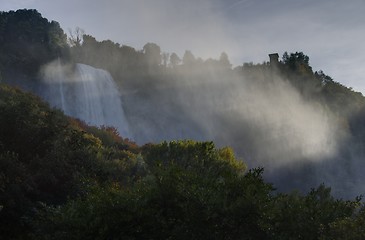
<point>60,178</point>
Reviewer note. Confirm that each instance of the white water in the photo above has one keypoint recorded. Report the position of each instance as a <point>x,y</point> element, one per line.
<point>86,93</point>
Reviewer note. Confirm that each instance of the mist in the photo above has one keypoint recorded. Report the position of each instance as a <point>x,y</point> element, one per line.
<point>269,115</point>
<point>272,119</point>
<point>259,111</point>
<point>266,120</point>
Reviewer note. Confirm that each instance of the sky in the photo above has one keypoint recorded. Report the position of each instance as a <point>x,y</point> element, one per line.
<point>330,32</point>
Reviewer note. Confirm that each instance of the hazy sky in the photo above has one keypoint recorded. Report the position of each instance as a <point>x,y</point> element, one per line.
<point>330,32</point>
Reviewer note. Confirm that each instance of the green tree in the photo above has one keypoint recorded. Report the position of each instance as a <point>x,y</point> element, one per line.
<point>309,216</point>
<point>28,41</point>
<point>349,228</point>
<point>194,191</point>
<point>297,61</point>
<point>47,158</point>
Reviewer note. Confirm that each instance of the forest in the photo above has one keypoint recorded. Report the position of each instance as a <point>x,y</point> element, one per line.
<point>61,178</point>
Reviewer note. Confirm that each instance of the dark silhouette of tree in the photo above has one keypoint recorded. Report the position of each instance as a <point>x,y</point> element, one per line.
<point>152,54</point>
<point>174,60</point>
<point>321,76</point>
<point>76,37</point>
<point>297,61</point>
<point>27,41</point>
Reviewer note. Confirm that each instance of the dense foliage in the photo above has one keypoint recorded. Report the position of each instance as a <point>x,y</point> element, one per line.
<point>62,179</point>
<point>46,157</point>
<point>27,41</point>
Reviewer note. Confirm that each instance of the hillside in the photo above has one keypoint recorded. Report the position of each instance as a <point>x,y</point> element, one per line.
<point>298,136</point>
<point>63,179</point>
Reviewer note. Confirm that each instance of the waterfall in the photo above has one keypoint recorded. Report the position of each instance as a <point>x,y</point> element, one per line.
<point>86,93</point>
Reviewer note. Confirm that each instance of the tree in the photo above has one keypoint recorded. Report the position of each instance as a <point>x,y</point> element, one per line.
<point>188,58</point>
<point>152,53</point>
<point>351,228</point>
<point>224,61</point>
<point>165,58</point>
<point>297,61</point>
<point>47,157</point>
<point>194,191</point>
<point>27,41</point>
<point>309,216</point>
<point>174,60</point>
<point>321,76</point>
<point>76,37</point>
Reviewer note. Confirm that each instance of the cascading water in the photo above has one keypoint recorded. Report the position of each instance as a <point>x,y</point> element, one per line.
<point>86,93</point>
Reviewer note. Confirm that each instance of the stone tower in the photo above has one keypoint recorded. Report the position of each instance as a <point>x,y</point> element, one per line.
<point>274,59</point>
